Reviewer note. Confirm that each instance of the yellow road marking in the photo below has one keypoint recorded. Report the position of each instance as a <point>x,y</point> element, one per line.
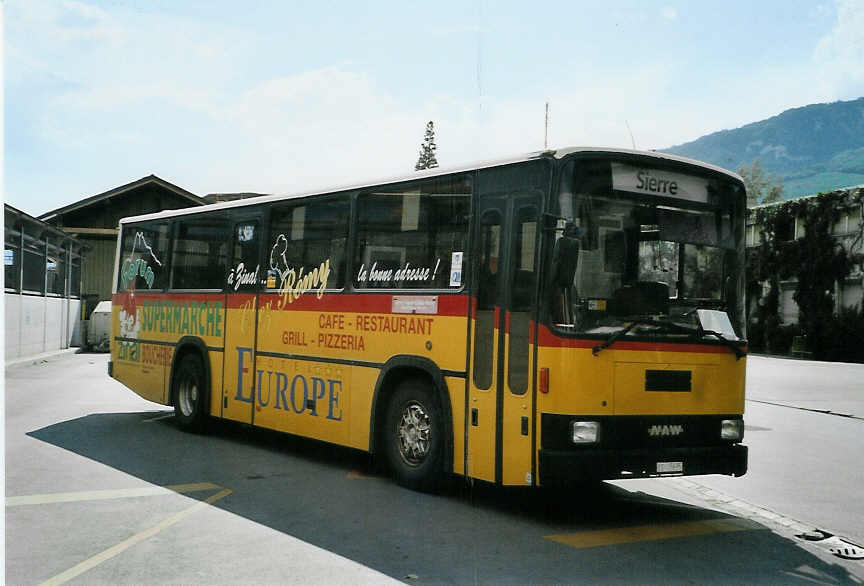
<point>601,537</point>
<point>356,474</point>
<point>96,495</point>
<point>109,553</point>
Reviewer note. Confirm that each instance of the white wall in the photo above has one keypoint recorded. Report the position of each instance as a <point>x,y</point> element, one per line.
<point>40,324</point>
<point>852,294</point>
<point>788,308</point>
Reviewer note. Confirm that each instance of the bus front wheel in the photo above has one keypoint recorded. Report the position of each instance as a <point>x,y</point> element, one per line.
<point>415,436</point>
<point>188,390</point>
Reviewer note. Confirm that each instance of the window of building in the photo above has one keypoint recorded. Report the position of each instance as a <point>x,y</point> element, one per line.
<point>841,225</point>
<point>750,235</point>
<point>785,229</point>
<point>848,222</point>
<point>12,259</point>
<point>34,265</point>
<point>75,275</point>
<point>55,268</point>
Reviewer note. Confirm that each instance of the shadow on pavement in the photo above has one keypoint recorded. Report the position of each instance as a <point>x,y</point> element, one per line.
<point>331,497</point>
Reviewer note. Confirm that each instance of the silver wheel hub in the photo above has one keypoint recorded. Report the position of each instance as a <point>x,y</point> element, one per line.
<point>188,396</point>
<point>414,433</point>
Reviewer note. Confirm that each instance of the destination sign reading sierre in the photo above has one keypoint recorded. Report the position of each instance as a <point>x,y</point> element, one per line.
<point>658,182</point>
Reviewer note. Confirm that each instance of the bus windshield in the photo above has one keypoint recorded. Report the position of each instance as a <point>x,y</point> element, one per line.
<point>656,254</point>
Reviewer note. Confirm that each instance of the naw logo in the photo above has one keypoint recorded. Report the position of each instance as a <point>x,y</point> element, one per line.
<point>665,430</point>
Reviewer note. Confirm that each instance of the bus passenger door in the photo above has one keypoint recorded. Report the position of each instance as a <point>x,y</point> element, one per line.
<point>486,339</point>
<point>517,355</point>
<point>241,302</point>
<point>500,398</point>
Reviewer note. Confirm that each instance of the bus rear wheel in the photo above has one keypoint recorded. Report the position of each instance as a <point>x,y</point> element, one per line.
<point>188,392</point>
<point>414,438</point>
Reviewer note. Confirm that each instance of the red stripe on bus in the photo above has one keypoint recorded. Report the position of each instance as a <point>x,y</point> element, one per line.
<point>119,298</point>
<point>240,300</point>
<point>448,305</point>
<point>550,340</point>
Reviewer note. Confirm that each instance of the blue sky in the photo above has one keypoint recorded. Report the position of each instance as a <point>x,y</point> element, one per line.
<point>283,96</point>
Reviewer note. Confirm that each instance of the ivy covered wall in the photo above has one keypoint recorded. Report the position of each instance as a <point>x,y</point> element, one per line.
<point>817,243</point>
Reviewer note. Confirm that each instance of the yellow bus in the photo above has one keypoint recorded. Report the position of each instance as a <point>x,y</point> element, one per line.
<point>564,316</point>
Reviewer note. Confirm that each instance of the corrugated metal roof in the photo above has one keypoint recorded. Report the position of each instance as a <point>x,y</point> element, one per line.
<point>42,226</point>
<point>194,199</point>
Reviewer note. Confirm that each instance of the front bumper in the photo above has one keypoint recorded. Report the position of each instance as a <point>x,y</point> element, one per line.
<point>562,467</point>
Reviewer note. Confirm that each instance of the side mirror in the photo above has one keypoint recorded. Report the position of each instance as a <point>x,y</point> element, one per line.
<point>565,256</point>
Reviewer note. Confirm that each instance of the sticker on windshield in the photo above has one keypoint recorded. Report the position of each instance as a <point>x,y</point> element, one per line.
<point>456,269</point>
<point>596,305</point>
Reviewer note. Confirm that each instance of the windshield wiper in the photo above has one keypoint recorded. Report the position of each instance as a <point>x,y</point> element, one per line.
<point>638,322</point>
<point>739,353</point>
<point>699,332</point>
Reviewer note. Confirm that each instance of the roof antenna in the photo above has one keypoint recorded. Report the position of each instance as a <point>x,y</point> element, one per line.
<point>632,141</point>
<point>546,128</point>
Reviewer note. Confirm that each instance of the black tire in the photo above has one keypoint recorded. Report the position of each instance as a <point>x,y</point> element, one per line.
<point>188,388</point>
<point>414,436</point>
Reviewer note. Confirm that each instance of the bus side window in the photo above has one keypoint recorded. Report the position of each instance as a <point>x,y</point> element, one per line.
<point>307,236</point>
<point>489,248</point>
<point>143,256</point>
<point>200,259</point>
<point>524,256</point>
<point>414,236</point>
<point>245,271</point>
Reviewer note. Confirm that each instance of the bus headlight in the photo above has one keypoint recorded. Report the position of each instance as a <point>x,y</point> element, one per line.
<point>585,432</point>
<point>732,429</point>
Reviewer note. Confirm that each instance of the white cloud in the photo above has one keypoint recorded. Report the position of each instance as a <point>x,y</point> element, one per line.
<point>144,92</point>
<point>838,59</point>
<point>303,128</point>
<point>459,29</point>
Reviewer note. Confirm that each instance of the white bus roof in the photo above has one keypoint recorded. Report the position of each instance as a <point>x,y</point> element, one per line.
<point>556,153</point>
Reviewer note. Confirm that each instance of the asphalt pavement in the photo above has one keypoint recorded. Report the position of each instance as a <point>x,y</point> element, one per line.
<point>804,427</point>
<point>102,488</point>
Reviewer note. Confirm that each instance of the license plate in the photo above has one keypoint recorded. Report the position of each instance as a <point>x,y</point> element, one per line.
<point>663,467</point>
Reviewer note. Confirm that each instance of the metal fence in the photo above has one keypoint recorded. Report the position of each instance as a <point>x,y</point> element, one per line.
<point>42,282</point>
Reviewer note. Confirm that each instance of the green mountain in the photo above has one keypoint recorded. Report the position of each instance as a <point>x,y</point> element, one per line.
<point>810,149</point>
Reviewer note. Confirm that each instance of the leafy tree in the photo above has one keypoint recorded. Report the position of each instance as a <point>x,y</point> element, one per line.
<point>817,262</point>
<point>427,158</point>
<point>761,187</point>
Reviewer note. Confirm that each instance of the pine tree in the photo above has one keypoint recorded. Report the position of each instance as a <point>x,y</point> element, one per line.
<point>427,158</point>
